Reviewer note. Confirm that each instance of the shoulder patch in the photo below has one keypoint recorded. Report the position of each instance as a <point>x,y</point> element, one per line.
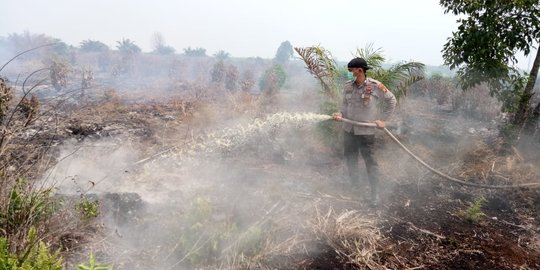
<point>382,88</point>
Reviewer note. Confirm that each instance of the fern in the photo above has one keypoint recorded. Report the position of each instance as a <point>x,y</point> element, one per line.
<point>36,257</point>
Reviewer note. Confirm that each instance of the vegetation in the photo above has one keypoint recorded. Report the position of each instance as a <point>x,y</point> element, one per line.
<point>127,46</point>
<point>159,46</point>
<point>284,53</point>
<point>227,229</point>
<point>222,55</point>
<point>203,239</point>
<point>88,208</point>
<point>218,72</point>
<point>6,94</point>
<point>272,80</point>
<point>484,49</point>
<point>320,63</point>
<point>474,212</point>
<point>196,52</point>
<point>92,265</point>
<point>35,256</point>
<point>59,72</point>
<point>93,46</point>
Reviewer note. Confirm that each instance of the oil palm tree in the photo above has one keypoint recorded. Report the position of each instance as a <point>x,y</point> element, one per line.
<point>320,63</point>
<point>397,77</point>
<point>127,46</point>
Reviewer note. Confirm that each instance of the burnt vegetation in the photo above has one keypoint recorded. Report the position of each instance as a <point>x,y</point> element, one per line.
<point>104,159</point>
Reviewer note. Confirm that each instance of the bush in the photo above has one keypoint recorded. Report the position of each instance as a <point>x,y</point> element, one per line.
<point>272,80</point>
<point>6,94</point>
<point>92,265</point>
<point>25,206</point>
<point>474,213</point>
<point>36,256</point>
<point>89,209</point>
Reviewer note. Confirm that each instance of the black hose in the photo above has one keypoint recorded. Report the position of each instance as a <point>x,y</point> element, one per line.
<point>447,177</point>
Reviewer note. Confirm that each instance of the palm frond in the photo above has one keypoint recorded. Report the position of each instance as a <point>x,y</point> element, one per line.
<point>403,75</point>
<point>321,64</point>
<point>373,57</point>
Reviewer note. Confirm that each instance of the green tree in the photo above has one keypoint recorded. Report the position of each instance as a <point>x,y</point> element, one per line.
<point>165,50</point>
<point>197,52</point>
<point>398,77</point>
<point>272,80</point>
<point>284,53</point>
<point>159,46</point>
<point>324,68</point>
<point>27,40</point>
<point>93,46</point>
<point>321,64</point>
<point>218,72</point>
<point>222,55</point>
<point>127,46</point>
<point>231,78</point>
<point>484,49</point>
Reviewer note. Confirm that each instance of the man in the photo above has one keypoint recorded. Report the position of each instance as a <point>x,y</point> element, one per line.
<point>360,99</point>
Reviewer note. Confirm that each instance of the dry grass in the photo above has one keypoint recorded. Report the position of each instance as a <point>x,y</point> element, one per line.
<point>354,237</point>
<point>483,164</point>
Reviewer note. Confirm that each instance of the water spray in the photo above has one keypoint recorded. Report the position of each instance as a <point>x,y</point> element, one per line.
<point>444,176</point>
<point>227,138</point>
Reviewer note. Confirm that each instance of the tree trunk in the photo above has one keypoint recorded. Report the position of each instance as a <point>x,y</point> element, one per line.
<point>524,107</point>
<point>532,121</point>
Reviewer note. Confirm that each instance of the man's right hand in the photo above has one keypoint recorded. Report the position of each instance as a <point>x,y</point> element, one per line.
<point>337,116</point>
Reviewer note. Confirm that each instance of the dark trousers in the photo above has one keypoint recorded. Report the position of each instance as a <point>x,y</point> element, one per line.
<point>364,144</point>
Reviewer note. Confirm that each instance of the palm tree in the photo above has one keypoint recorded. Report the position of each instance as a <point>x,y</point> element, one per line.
<point>93,46</point>
<point>322,65</point>
<point>397,77</point>
<point>127,46</point>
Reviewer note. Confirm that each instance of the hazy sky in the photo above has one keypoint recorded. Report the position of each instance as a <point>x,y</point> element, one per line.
<point>405,30</point>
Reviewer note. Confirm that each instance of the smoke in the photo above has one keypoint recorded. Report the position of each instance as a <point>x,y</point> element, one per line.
<point>226,181</point>
<point>96,166</point>
<point>222,191</point>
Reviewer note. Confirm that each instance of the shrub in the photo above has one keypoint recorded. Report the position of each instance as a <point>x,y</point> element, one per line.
<point>29,108</point>
<point>203,239</point>
<point>25,206</point>
<point>36,255</point>
<point>59,71</point>
<point>92,265</point>
<point>473,213</point>
<point>6,94</point>
<point>272,80</point>
<point>89,209</point>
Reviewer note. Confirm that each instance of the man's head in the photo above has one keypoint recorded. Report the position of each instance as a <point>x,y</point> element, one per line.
<point>358,67</point>
<point>358,63</point>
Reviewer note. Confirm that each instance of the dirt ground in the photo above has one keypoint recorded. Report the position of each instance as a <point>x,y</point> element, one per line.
<point>419,223</point>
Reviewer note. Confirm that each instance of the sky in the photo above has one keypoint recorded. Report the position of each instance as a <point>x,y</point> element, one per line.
<point>412,30</point>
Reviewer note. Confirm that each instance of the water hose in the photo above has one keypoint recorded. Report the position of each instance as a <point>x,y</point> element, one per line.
<point>439,173</point>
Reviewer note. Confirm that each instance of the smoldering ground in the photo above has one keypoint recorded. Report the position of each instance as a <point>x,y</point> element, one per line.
<point>236,190</point>
<point>205,200</point>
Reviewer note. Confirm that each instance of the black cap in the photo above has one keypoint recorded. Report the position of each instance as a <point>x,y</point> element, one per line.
<point>358,63</point>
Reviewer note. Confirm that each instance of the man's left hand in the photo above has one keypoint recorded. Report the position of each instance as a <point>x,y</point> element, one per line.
<point>379,123</point>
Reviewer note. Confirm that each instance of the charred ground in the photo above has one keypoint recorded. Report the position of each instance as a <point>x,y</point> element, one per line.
<point>420,225</point>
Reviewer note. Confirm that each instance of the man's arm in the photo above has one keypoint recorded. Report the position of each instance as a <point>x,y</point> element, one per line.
<point>389,102</point>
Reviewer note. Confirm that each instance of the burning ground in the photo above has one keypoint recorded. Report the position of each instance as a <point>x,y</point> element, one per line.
<point>229,185</point>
